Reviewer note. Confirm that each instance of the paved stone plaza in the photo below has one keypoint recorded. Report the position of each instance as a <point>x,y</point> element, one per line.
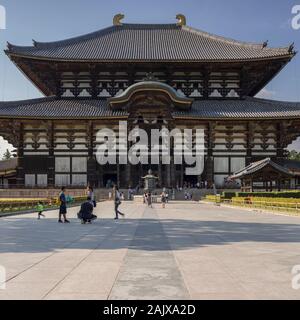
<point>187,251</point>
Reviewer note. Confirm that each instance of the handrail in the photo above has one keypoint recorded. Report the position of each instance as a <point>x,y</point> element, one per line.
<point>9,205</point>
<point>248,202</point>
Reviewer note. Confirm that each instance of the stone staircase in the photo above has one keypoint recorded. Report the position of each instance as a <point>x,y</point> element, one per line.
<point>179,195</point>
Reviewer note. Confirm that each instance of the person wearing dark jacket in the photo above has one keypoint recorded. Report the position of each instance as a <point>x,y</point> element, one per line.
<point>86,212</point>
<point>63,206</point>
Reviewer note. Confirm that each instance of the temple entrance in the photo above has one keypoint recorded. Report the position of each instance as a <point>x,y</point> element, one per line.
<point>190,181</point>
<point>109,180</point>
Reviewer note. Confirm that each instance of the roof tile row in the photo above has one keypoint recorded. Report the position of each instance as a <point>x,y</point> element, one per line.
<point>52,107</point>
<point>164,42</point>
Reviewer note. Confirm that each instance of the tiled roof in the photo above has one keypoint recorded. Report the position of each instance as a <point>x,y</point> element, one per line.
<point>51,107</point>
<point>293,166</point>
<point>8,165</point>
<point>247,108</point>
<point>149,42</point>
<point>259,165</point>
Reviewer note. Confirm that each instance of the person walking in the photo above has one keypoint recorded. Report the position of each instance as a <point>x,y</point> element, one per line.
<point>145,198</point>
<point>149,200</point>
<point>117,200</point>
<point>167,196</point>
<point>40,209</point>
<point>163,199</point>
<point>63,206</point>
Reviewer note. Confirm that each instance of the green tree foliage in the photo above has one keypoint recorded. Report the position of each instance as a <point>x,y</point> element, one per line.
<point>294,155</point>
<point>7,155</point>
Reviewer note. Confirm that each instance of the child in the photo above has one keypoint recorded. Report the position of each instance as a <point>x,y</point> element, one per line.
<point>40,209</point>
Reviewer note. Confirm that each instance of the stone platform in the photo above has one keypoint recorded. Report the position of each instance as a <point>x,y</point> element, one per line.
<point>186,251</point>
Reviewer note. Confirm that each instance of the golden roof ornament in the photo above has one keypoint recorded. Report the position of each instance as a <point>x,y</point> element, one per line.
<point>181,20</point>
<point>117,19</point>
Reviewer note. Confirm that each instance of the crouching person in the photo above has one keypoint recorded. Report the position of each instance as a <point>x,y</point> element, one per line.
<point>86,212</point>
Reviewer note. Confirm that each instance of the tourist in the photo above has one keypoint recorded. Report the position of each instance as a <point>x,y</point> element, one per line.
<point>86,211</point>
<point>167,196</point>
<point>40,209</point>
<point>163,199</point>
<point>91,194</point>
<point>130,192</point>
<point>63,206</point>
<point>122,196</point>
<point>117,200</point>
<point>149,200</point>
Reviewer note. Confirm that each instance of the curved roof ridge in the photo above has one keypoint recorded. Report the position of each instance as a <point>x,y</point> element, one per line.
<point>259,165</point>
<point>105,31</point>
<point>27,101</point>
<point>272,101</point>
<point>213,36</point>
<point>83,37</point>
<point>128,26</point>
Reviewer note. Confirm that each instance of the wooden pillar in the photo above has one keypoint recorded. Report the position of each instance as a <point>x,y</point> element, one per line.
<point>18,131</point>
<point>160,173</point>
<point>173,173</point>
<point>168,167</point>
<point>51,158</point>
<point>249,143</point>
<point>128,175</point>
<point>140,172</point>
<point>210,160</point>
<point>181,175</point>
<point>92,176</point>
<point>100,181</point>
<point>271,185</point>
<point>280,137</point>
<point>118,175</point>
<point>279,183</point>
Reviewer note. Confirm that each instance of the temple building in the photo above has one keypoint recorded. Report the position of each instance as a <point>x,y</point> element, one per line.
<point>151,76</point>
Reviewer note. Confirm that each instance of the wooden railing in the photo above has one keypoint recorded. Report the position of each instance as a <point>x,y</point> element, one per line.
<point>288,206</point>
<point>18,205</point>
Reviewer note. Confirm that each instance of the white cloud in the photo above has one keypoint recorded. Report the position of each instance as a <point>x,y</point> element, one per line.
<point>3,146</point>
<point>295,145</point>
<point>266,94</point>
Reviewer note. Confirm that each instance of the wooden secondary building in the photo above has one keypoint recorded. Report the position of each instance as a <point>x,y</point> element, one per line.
<point>151,76</point>
<point>8,172</point>
<point>264,175</point>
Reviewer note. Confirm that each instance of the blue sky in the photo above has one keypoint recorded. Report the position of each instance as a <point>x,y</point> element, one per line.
<point>255,21</point>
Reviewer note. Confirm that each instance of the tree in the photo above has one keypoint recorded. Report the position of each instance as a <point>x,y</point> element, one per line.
<point>7,155</point>
<point>294,155</point>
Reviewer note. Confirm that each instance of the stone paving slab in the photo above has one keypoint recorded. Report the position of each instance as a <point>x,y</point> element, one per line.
<point>186,251</point>
<point>151,273</point>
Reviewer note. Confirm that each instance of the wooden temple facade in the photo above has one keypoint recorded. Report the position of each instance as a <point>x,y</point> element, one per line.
<point>151,76</point>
